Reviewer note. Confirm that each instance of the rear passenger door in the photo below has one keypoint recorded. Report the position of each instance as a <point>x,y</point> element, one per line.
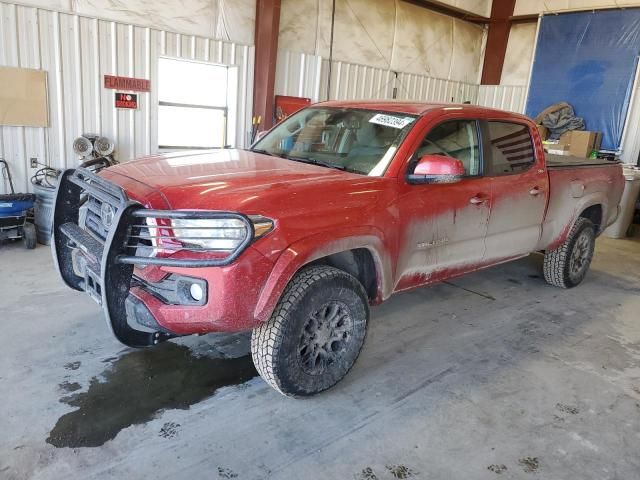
<point>519,190</point>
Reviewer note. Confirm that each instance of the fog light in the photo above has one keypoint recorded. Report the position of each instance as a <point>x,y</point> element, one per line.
<point>196,292</point>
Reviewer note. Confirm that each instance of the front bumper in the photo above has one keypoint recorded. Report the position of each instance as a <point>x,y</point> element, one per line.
<point>96,247</point>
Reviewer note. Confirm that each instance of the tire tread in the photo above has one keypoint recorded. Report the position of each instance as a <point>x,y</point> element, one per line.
<point>266,338</point>
<point>556,261</point>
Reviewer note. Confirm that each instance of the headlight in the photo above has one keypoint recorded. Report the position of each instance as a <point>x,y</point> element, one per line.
<point>212,234</point>
<point>223,234</point>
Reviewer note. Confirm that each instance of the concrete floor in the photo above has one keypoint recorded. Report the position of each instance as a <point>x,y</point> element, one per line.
<point>494,375</point>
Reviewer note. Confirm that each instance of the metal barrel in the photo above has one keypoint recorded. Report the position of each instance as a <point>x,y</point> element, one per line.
<point>43,212</point>
<point>618,229</point>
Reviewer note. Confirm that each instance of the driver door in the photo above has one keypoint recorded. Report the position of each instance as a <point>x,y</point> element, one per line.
<point>446,224</point>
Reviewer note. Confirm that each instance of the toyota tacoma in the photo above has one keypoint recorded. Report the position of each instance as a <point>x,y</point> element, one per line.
<point>335,209</point>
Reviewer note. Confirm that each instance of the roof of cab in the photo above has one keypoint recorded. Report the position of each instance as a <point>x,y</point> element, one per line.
<point>411,108</point>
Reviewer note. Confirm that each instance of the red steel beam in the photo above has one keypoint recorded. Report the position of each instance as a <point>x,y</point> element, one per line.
<point>449,10</point>
<point>499,28</point>
<point>533,18</point>
<point>266,41</point>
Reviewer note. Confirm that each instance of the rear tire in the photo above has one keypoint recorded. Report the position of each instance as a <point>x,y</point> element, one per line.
<point>315,333</point>
<point>566,266</point>
<point>29,235</point>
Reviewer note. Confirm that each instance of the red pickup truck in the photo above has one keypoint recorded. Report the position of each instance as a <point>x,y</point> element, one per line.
<point>335,209</point>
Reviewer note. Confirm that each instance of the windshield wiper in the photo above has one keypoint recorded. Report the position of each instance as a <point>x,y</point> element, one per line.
<point>312,161</point>
<point>265,152</point>
<point>315,161</point>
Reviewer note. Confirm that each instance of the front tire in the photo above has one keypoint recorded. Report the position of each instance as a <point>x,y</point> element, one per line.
<point>315,333</point>
<point>566,266</point>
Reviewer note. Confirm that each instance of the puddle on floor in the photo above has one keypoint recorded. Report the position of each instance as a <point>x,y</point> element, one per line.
<point>139,385</point>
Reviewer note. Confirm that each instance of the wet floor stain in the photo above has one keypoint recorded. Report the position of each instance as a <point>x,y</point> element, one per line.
<point>498,469</point>
<point>72,365</point>
<point>400,471</point>
<point>367,473</point>
<point>226,473</point>
<point>564,408</point>
<point>139,385</point>
<point>169,430</point>
<point>529,464</point>
<point>69,387</point>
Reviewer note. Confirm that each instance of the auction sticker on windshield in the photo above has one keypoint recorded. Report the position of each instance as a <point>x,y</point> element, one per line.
<point>391,121</point>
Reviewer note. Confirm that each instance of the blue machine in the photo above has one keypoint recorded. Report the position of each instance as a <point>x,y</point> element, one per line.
<point>14,209</point>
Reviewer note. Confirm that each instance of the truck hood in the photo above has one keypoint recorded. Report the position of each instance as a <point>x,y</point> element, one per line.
<point>234,180</point>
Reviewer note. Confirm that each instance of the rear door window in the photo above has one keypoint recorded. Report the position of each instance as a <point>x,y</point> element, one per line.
<point>511,148</point>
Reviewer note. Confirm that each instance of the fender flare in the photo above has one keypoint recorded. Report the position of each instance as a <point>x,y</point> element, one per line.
<point>311,248</point>
<point>583,203</point>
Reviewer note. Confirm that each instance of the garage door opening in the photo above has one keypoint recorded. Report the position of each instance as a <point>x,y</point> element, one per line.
<point>193,104</point>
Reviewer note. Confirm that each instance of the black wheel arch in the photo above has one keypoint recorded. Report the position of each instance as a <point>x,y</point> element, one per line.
<point>357,262</point>
<point>594,213</point>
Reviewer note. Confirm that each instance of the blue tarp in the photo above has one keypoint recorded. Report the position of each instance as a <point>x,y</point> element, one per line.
<point>588,59</point>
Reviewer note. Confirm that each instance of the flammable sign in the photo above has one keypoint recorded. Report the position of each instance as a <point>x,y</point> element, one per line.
<point>127,100</point>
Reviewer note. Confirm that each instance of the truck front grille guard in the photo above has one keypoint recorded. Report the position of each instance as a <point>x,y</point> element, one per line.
<point>147,231</point>
<point>100,259</point>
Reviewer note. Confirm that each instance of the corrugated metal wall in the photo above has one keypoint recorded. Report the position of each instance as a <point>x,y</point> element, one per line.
<point>503,97</point>
<point>76,52</point>
<point>424,88</point>
<point>350,81</point>
<point>298,75</point>
<point>307,75</point>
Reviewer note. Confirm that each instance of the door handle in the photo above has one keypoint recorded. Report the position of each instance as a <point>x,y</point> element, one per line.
<point>478,200</point>
<point>535,191</point>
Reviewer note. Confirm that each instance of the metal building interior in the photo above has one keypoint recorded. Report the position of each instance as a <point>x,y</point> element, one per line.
<point>187,114</point>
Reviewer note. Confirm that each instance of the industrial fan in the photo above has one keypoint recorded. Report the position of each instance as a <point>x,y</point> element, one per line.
<point>96,151</point>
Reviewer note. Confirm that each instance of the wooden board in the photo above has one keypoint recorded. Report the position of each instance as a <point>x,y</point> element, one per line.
<point>23,97</point>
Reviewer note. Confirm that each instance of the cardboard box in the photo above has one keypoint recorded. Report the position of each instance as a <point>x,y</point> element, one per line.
<point>556,148</point>
<point>543,131</point>
<point>581,142</point>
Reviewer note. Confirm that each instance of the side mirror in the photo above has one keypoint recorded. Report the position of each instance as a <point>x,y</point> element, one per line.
<point>437,169</point>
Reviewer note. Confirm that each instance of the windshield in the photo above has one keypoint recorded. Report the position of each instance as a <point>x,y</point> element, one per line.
<point>359,141</point>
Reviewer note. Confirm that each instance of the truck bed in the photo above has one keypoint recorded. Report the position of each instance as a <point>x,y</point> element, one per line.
<point>574,185</point>
<point>568,161</point>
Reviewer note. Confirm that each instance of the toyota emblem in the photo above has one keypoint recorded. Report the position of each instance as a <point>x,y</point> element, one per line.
<point>106,214</point>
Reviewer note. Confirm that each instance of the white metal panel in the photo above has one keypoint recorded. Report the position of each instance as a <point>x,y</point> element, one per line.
<point>304,75</point>
<point>503,97</point>
<point>428,89</point>
<point>76,52</point>
<point>350,81</point>
<point>298,74</point>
